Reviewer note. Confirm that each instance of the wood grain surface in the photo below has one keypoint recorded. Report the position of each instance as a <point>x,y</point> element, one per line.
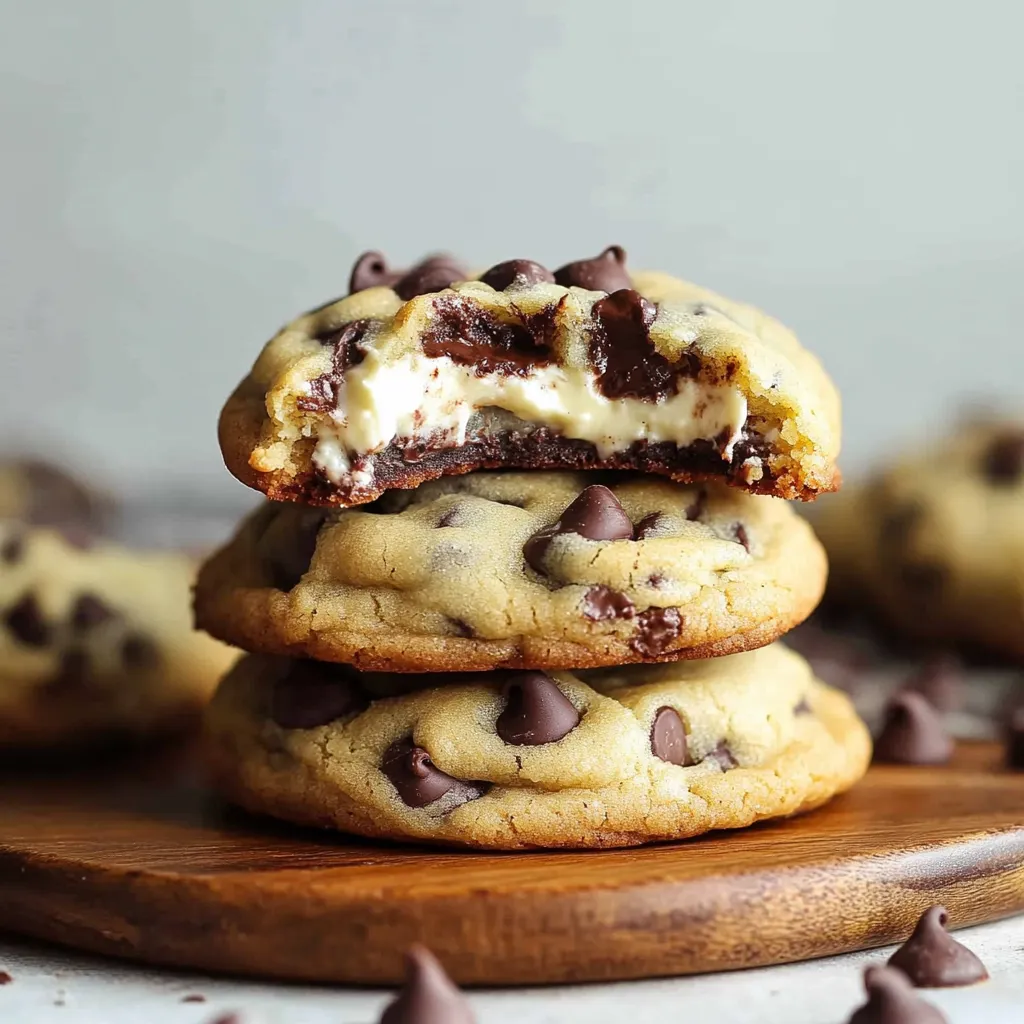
<point>151,867</point>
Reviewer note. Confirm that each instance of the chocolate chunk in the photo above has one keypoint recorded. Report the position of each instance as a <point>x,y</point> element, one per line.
<point>428,995</point>
<point>913,733</point>
<point>740,533</point>
<point>932,958</point>
<point>371,271</point>
<point>656,628</point>
<point>418,780</point>
<point>595,514</point>
<point>536,711</point>
<point>313,693</point>
<point>892,1000</point>
<point>601,603</point>
<point>288,563</point>
<point>433,274</point>
<point>648,526</point>
<point>604,273</point>
<point>90,611</point>
<point>13,549</point>
<point>668,737</point>
<point>346,342</point>
<point>802,707</point>
<point>138,651</point>
<point>471,335</point>
<point>25,621</point>
<point>723,756</point>
<point>697,507</point>
<point>940,682</point>
<point>624,358</point>
<point>5,978</point>
<point>516,273</point>
<point>1015,738</point>
<point>1004,459</point>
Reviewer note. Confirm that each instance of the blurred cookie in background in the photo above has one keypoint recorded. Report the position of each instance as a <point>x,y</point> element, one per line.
<point>933,545</point>
<point>41,494</point>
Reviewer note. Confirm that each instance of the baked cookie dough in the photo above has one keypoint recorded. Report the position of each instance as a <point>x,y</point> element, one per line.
<point>39,493</point>
<point>935,543</point>
<point>438,371</point>
<point>96,642</point>
<point>528,570</point>
<point>513,760</point>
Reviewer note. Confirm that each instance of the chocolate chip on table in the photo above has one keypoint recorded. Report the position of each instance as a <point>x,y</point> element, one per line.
<point>668,737</point>
<point>601,604</point>
<point>594,514</point>
<point>536,711</point>
<point>90,611</point>
<point>25,620</point>
<point>932,958</point>
<point>138,651</point>
<point>371,270</point>
<point>656,628</point>
<point>313,693</point>
<point>723,755</point>
<point>892,1000</point>
<point>418,780</point>
<point>517,273</point>
<point>1004,459</point>
<point>428,995</point>
<point>13,549</point>
<point>913,733</point>
<point>433,274</point>
<point>940,681</point>
<point>1014,732</point>
<point>625,360</point>
<point>603,273</point>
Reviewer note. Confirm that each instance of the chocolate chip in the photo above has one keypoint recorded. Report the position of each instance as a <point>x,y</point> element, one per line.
<point>656,628</point>
<point>450,516</point>
<point>25,621</point>
<point>594,514</point>
<point>1004,459</point>
<point>723,756</point>
<point>697,507</point>
<point>371,270</point>
<point>932,958</point>
<point>5,978</point>
<point>649,525</point>
<point>668,737</point>
<point>74,676</point>
<point>624,358</point>
<point>433,274</point>
<point>601,603</point>
<point>348,351</point>
<point>516,273</point>
<point>13,549</point>
<point>471,335</point>
<point>416,778</point>
<point>428,995</point>
<point>536,710</point>
<point>740,533</point>
<point>138,651</point>
<point>1014,731</point>
<point>802,707</point>
<point>313,693</point>
<point>913,733</point>
<point>90,611</point>
<point>288,563</point>
<point>940,682</point>
<point>892,1000</point>
<point>604,273</point>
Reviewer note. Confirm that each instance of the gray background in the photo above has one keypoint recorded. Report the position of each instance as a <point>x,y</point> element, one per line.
<point>179,178</point>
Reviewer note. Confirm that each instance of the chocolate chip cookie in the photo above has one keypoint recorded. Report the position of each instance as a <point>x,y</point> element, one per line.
<point>528,570</point>
<point>41,494</point>
<point>935,542</point>
<point>96,641</point>
<point>519,759</point>
<point>438,371</point>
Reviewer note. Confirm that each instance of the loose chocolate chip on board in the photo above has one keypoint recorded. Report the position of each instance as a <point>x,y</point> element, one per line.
<point>418,780</point>
<point>723,756</point>
<point>287,564</point>
<point>940,681</point>
<point>314,693</point>
<point>625,360</point>
<point>656,628</point>
<point>668,737</point>
<point>516,274</point>
<point>90,611</point>
<point>892,1000</point>
<point>433,274</point>
<point>603,273</point>
<point>138,651</point>
<point>1004,459</point>
<point>348,352</point>
<point>371,270</point>
<point>536,710</point>
<point>428,995</point>
<point>25,620</point>
<point>1015,738</point>
<point>932,958</point>
<point>913,733</point>
<point>601,603</point>
<point>13,549</point>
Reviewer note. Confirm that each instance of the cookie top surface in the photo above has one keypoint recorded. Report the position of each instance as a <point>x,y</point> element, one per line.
<point>530,569</point>
<point>935,541</point>
<point>40,494</point>
<point>512,759</point>
<point>442,372</point>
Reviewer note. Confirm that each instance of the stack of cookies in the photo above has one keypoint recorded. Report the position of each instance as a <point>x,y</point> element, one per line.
<point>525,562</point>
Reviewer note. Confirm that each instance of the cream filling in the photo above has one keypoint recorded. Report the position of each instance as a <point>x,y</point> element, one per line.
<point>422,399</point>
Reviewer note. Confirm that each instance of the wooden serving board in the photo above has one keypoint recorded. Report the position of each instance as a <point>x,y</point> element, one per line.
<point>155,869</point>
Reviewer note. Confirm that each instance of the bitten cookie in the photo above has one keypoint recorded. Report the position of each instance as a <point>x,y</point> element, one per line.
<point>528,570</point>
<point>935,543</point>
<point>436,371</point>
<point>513,760</point>
<point>96,641</point>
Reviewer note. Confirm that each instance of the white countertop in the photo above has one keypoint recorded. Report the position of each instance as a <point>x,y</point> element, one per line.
<point>51,985</point>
